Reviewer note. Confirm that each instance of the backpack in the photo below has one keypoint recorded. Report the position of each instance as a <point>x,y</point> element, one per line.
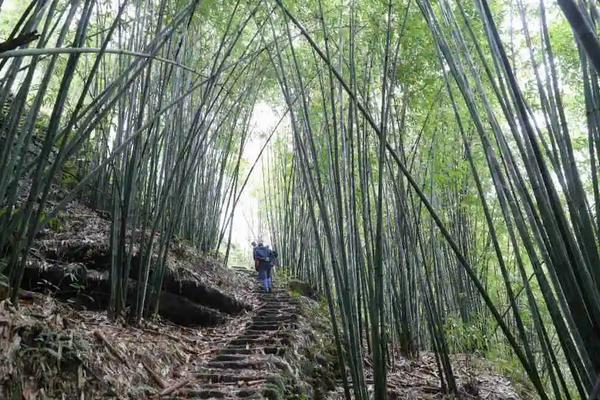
<point>262,254</point>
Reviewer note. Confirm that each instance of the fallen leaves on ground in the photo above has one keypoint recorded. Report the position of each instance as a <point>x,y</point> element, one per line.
<point>48,349</point>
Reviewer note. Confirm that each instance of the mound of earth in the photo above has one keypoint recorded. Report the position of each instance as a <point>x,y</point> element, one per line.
<point>71,258</point>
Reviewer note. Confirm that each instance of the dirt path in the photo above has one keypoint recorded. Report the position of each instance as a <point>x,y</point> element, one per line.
<point>251,365</point>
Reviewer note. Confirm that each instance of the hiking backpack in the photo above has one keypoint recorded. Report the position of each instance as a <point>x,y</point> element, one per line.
<point>262,254</point>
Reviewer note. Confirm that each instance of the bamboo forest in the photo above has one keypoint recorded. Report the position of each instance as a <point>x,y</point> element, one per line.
<point>317,199</point>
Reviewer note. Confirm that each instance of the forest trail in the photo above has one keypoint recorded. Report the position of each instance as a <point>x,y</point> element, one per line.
<point>238,370</point>
<point>429,170</point>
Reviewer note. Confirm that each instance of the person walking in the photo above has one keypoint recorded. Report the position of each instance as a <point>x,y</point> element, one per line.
<point>262,257</point>
<point>254,255</point>
<point>274,262</point>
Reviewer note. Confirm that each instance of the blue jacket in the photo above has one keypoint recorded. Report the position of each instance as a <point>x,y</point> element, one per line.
<point>262,254</point>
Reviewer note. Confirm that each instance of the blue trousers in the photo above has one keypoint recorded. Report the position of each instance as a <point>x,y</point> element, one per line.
<point>264,274</point>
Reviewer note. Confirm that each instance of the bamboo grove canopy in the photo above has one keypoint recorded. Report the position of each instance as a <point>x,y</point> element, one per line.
<point>436,178</point>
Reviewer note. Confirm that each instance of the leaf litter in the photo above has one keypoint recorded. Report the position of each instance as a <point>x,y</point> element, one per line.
<point>48,349</point>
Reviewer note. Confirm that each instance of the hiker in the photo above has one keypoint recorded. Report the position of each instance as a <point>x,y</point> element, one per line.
<point>274,263</point>
<point>254,256</point>
<point>262,257</point>
<point>274,260</point>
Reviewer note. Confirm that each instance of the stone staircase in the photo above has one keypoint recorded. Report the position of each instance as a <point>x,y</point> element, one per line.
<point>252,365</point>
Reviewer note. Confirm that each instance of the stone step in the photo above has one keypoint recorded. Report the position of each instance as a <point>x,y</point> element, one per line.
<point>230,387</point>
<point>250,394</point>
<point>240,350</point>
<point>259,321</point>
<point>274,315</point>
<point>275,350</point>
<point>244,350</point>
<point>208,394</point>
<point>271,299</point>
<point>276,318</point>
<point>233,357</point>
<point>252,341</point>
<point>248,363</point>
<point>247,335</point>
<point>272,342</point>
<point>276,292</point>
<point>244,377</point>
<point>254,326</point>
<point>282,297</point>
<point>268,335</point>
<point>276,312</point>
<point>259,332</point>
<point>278,306</point>
<point>280,300</point>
